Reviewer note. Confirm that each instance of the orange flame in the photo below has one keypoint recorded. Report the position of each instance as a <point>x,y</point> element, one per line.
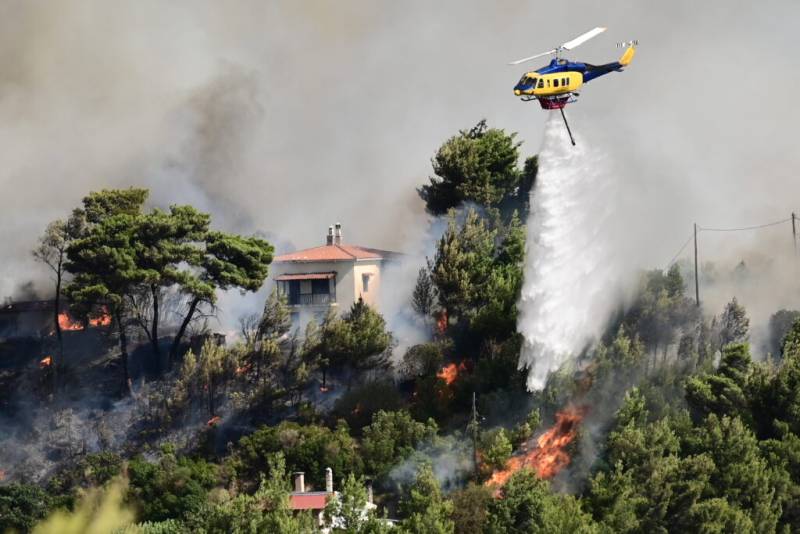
<point>324,389</point>
<point>550,455</point>
<point>45,362</point>
<point>244,369</point>
<point>102,320</point>
<point>449,373</point>
<point>214,420</point>
<point>65,322</point>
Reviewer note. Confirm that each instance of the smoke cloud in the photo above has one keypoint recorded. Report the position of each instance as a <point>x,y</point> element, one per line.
<point>282,117</point>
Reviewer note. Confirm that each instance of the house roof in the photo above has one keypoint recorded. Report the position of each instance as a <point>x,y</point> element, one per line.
<point>305,276</point>
<point>310,500</point>
<point>335,253</point>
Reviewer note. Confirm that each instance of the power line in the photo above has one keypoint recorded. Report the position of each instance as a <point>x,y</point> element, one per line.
<point>675,257</point>
<point>738,229</point>
<point>775,223</point>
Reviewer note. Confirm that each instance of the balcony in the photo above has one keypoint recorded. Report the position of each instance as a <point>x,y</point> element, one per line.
<point>315,299</point>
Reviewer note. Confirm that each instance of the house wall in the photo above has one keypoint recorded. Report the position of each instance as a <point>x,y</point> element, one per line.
<point>349,284</point>
<point>372,268</point>
<point>344,287</point>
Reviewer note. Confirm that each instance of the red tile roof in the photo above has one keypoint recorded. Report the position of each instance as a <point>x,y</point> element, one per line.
<point>312,500</point>
<point>334,253</point>
<point>305,276</point>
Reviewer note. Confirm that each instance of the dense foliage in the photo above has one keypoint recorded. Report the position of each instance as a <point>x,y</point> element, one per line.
<point>687,429</point>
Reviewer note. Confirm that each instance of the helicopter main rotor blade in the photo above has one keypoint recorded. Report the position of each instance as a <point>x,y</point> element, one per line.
<point>523,60</point>
<point>569,45</point>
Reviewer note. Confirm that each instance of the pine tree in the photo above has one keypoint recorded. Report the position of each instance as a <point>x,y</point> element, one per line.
<point>734,324</point>
<point>424,296</point>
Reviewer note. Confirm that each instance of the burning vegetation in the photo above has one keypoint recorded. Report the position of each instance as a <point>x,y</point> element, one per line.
<point>450,373</point>
<point>68,324</point>
<point>549,455</point>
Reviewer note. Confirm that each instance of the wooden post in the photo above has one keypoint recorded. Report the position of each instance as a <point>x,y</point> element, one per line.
<point>696,273</point>
<point>474,437</point>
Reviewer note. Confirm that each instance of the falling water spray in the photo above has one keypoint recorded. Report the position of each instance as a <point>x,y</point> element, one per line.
<point>571,271</point>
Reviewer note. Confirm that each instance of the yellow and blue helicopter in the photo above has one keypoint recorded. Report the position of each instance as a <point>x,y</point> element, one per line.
<point>555,85</point>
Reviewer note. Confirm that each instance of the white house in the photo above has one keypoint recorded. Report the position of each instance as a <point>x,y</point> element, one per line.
<point>315,501</point>
<point>333,275</point>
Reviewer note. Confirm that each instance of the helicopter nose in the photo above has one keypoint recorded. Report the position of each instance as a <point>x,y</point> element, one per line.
<point>517,91</point>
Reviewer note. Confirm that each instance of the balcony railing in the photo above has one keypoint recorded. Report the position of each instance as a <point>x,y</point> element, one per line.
<point>310,299</point>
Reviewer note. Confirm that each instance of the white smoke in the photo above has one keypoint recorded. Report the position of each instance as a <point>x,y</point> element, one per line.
<point>573,265</point>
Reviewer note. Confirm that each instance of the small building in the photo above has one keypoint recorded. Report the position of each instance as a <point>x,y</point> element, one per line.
<point>315,501</point>
<point>333,275</point>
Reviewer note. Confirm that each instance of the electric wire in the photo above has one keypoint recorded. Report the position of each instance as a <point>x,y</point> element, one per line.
<point>738,229</point>
<point>675,257</point>
<point>744,228</point>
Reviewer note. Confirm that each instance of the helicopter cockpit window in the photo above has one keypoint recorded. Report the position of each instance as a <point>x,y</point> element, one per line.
<point>541,83</point>
<point>523,80</point>
<point>532,81</point>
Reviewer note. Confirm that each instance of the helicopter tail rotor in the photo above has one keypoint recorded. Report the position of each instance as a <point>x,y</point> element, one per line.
<point>626,44</point>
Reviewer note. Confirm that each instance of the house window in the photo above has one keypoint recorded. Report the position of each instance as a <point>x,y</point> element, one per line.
<point>365,281</point>
<point>309,292</point>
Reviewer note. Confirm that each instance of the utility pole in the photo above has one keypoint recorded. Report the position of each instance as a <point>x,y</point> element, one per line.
<point>696,274</point>
<point>474,437</point>
<point>794,233</point>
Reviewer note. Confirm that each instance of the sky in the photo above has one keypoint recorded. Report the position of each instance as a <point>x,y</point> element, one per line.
<point>284,117</point>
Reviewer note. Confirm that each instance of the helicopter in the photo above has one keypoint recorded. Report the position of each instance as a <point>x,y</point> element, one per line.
<point>555,85</point>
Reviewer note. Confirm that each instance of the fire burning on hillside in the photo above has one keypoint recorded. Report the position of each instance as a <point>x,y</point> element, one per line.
<point>450,373</point>
<point>102,320</point>
<point>549,456</point>
<point>46,362</point>
<point>68,324</point>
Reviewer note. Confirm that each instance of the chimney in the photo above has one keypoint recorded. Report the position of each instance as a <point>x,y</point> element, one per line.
<point>369,490</point>
<point>299,482</point>
<point>329,480</point>
<point>337,237</point>
<point>329,241</point>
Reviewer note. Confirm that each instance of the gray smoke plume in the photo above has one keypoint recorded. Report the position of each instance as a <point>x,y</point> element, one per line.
<point>284,116</point>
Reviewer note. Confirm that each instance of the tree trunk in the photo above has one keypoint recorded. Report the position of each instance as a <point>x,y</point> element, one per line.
<point>123,347</point>
<point>59,334</point>
<point>154,327</point>
<point>173,351</point>
<point>211,397</point>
